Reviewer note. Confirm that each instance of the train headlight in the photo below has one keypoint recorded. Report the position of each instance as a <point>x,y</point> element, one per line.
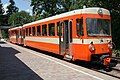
<point>100,11</point>
<point>110,46</point>
<point>91,47</point>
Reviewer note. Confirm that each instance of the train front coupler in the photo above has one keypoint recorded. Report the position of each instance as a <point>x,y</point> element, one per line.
<point>105,61</point>
<point>108,62</point>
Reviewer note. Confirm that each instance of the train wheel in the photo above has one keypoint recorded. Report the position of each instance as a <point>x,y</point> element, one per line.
<point>108,69</point>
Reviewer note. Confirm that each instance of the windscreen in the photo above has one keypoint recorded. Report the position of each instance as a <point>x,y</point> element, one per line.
<point>98,27</point>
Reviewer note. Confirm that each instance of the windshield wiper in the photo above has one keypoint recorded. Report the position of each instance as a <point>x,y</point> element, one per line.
<point>93,34</point>
<point>98,34</point>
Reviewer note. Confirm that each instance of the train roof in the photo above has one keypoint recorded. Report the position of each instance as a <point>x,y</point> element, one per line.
<point>92,10</point>
<point>15,28</point>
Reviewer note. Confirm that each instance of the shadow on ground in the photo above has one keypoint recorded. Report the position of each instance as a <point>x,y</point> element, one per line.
<point>11,68</point>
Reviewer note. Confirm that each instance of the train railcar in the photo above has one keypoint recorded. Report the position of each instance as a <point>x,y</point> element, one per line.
<point>83,34</point>
<point>16,35</point>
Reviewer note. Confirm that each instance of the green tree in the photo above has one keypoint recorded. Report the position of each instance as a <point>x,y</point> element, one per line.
<point>4,33</point>
<point>68,5</point>
<point>11,8</point>
<point>115,17</point>
<point>20,18</point>
<point>1,8</point>
<point>1,12</point>
<point>44,8</point>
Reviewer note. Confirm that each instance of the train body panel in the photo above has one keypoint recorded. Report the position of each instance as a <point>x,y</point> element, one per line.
<point>13,39</point>
<point>42,45</point>
<point>79,34</point>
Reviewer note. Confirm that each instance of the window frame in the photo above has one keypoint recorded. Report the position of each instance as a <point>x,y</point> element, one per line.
<point>81,27</point>
<point>33,31</point>
<point>51,26</point>
<point>26,31</point>
<point>39,30</point>
<point>30,32</point>
<point>44,27</point>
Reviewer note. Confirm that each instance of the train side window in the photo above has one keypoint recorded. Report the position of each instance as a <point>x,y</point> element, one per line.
<point>30,31</point>
<point>11,33</point>
<point>17,33</point>
<point>20,33</point>
<point>51,27</point>
<point>79,27</point>
<point>59,29</point>
<point>33,31</point>
<point>23,33</point>
<point>38,30</point>
<point>26,31</point>
<point>44,30</point>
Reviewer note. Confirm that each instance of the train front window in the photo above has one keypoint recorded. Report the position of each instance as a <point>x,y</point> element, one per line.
<point>79,27</point>
<point>98,27</point>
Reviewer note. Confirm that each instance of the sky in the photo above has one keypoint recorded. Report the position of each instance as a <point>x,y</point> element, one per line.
<point>21,4</point>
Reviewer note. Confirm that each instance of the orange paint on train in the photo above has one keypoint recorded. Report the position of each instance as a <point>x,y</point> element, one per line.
<point>42,46</point>
<point>75,39</point>
<point>13,40</point>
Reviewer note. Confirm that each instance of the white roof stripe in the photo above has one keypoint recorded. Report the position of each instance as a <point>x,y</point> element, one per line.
<point>93,10</point>
<point>16,28</point>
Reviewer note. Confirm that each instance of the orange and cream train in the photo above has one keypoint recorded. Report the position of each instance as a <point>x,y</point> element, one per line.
<point>83,34</point>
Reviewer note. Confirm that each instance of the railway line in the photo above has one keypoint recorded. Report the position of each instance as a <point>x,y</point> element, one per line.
<point>114,71</point>
<point>117,58</point>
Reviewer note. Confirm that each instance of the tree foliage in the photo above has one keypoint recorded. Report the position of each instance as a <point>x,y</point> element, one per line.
<point>20,18</point>
<point>11,8</point>
<point>1,12</point>
<point>115,17</point>
<point>1,8</point>
<point>44,8</point>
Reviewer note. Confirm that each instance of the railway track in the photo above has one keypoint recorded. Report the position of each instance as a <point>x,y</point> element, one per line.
<point>114,71</point>
<point>117,58</point>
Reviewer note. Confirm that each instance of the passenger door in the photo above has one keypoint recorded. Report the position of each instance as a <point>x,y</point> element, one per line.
<point>17,36</point>
<point>65,39</point>
<point>22,36</point>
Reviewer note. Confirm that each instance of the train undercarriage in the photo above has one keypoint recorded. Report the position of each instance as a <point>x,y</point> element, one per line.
<point>104,60</point>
